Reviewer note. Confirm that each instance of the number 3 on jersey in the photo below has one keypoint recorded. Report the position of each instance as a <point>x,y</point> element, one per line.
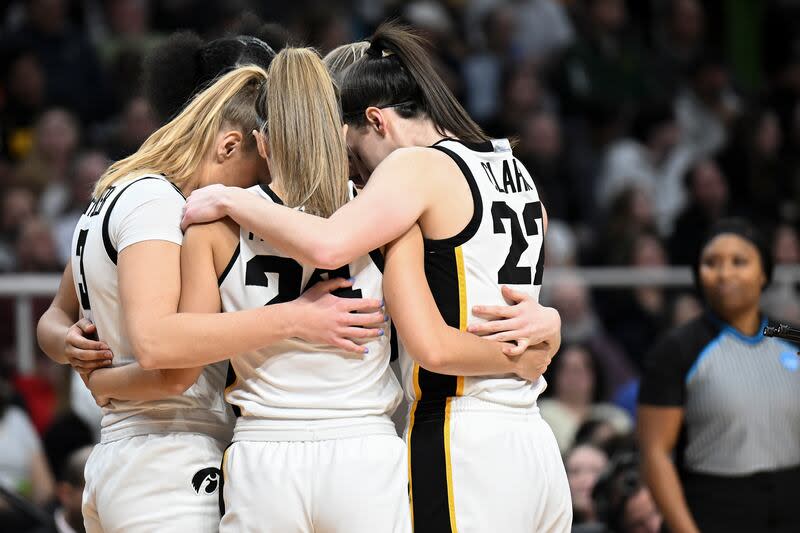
<point>510,273</point>
<point>82,288</point>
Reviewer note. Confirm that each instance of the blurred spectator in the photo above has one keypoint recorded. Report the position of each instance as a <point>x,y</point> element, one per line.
<point>757,171</point>
<point>624,502</point>
<point>606,64</point>
<point>23,82</point>
<point>707,203</point>
<point>679,41</point>
<point>67,517</point>
<point>128,28</point>
<point>541,151</point>
<point>636,316</point>
<point>45,169</point>
<point>589,138</point>
<point>543,27</point>
<point>543,30</point>
<point>327,27</point>
<point>483,69</point>
<point>560,245</point>
<point>36,248</point>
<point>600,433</point>
<point>521,95</point>
<point>584,464</point>
<point>18,206</point>
<point>706,107</point>
<point>652,159</point>
<point>685,307</point>
<point>138,121</point>
<point>630,213</point>
<point>580,325</point>
<point>23,467</point>
<point>87,169</point>
<point>782,300</point>
<point>786,245</point>
<point>577,388</point>
<point>128,39</point>
<point>73,73</point>
<point>636,512</point>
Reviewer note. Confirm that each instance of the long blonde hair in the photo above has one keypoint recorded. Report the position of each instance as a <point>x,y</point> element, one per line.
<point>178,147</point>
<point>304,127</point>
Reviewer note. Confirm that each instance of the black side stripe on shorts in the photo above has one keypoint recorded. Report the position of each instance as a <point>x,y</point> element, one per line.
<point>222,481</point>
<point>230,381</point>
<point>428,468</point>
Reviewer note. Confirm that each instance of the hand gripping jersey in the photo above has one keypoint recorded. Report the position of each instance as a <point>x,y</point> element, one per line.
<point>143,208</point>
<point>501,245</point>
<point>289,383</point>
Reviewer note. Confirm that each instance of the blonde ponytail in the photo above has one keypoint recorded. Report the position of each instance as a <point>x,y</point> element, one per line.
<point>178,147</point>
<point>304,126</point>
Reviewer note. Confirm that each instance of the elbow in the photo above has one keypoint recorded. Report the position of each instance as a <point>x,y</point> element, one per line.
<point>179,387</point>
<point>49,346</point>
<point>327,254</point>
<point>147,353</point>
<point>326,258</point>
<point>430,356</point>
<point>40,335</point>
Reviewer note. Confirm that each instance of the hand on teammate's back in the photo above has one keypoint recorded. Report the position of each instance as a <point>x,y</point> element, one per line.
<point>84,351</point>
<point>328,319</point>
<point>523,323</point>
<point>204,205</point>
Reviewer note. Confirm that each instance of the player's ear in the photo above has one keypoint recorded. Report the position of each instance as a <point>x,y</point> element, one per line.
<point>376,120</point>
<point>228,144</point>
<point>261,144</point>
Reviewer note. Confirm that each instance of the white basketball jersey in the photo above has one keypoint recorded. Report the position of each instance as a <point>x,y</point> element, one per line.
<point>294,380</point>
<point>140,209</point>
<point>501,245</point>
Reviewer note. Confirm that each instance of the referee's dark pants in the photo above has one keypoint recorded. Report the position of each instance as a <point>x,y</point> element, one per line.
<point>763,502</point>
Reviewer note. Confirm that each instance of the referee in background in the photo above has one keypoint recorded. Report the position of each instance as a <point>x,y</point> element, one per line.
<point>724,402</point>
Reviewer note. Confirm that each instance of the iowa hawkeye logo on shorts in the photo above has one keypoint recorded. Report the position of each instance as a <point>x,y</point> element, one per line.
<point>206,481</point>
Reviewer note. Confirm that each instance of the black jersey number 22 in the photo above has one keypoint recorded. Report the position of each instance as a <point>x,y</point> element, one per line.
<point>510,273</point>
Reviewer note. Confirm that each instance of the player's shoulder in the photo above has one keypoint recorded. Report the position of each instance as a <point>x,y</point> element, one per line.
<point>417,163</point>
<point>210,232</point>
<point>142,187</point>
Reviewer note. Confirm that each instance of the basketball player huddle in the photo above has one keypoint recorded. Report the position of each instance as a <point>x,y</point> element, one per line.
<point>260,338</point>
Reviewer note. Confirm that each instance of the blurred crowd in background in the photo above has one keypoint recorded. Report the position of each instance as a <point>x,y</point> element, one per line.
<point>643,122</point>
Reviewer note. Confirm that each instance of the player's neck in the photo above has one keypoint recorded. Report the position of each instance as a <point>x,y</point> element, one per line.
<point>277,187</point>
<point>421,132</point>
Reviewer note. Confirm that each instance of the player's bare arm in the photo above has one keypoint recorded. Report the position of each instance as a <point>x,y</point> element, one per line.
<point>398,193</point>
<point>131,381</point>
<point>65,337</point>
<point>429,340</point>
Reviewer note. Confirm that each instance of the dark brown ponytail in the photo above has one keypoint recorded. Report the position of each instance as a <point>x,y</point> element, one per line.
<point>396,71</point>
